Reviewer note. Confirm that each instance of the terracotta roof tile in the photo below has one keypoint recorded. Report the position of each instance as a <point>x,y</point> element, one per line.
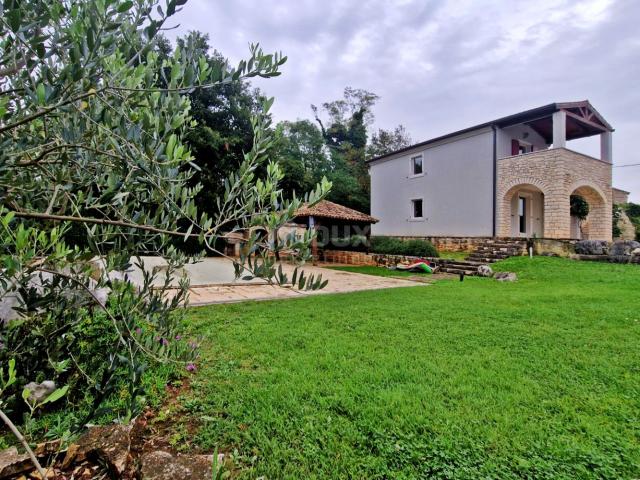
<point>327,209</point>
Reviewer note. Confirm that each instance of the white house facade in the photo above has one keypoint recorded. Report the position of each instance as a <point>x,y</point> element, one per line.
<point>512,177</point>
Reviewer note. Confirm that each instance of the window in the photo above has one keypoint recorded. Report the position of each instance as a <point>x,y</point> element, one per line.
<point>417,208</point>
<point>416,165</point>
<point>518,147</point>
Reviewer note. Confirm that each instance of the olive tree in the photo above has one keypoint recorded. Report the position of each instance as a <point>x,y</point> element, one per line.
<point>94,172</point>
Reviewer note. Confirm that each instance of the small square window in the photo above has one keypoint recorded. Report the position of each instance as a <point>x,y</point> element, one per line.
<point>416,165</point>
<point>417,208</point>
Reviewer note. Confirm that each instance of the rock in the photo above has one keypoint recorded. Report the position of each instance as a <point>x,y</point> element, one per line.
<point>619,258</point>
<point>72,453</point>
<point>485,271</point>
<point>624,247</point>
<point>48,448</point>
<point>13,463</point>
<point>110,444</point>
<point>161,465</point>
<point>592,247</point>
<point>506,277</point>
<point>636,251</point>
<point>50,472</point>
<point>39,391</point>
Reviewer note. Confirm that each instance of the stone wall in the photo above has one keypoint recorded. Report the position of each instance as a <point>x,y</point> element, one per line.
<point>558,173</point>
<point>620,196</point>
<point>345,257</point>
<point>546,246</point>
<point>371,259</point>
<point>449,244</point>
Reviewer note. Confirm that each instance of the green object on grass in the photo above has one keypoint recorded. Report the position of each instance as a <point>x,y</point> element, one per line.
<point>415,267</point>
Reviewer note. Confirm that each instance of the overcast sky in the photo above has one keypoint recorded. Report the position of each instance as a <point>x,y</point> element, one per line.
<point>443,65</point>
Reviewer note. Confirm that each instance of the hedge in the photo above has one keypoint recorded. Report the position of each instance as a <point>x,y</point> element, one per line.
<point>395,246</point>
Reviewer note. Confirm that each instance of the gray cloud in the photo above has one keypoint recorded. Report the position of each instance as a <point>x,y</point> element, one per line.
<point>442,65</point>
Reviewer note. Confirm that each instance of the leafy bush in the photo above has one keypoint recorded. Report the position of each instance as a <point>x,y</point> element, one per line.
<point>616,231</point>
<point>94,168</point>
<point>395,246</point>
<point>420,248</point>
<point>579,207</point>
<point>96,341</point>
<point>633,212</point>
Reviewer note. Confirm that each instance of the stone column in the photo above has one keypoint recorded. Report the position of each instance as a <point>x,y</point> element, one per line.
<point>557,216</point>
<point>560,129</point>
<point>606,147</point>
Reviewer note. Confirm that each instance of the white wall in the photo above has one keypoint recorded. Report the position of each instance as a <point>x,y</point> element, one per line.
<point>518,132</point>
<point>457,189</point>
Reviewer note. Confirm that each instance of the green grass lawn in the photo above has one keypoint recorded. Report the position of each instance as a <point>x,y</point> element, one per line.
<point>456,380</point>
<point>454,255</point>
<point>377,271</point>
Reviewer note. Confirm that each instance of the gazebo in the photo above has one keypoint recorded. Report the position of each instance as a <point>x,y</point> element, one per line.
<point>334,223</point>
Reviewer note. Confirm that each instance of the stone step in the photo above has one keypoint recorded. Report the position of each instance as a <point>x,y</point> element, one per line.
<point>458,271</point>
<point>466,261</point>
<point>464,265</point>
<point>496,252</point>
<point>478,255</point>
<point>506,250</point>
<point>486,261</point>
<point>488,252</point>
<point>503,242</point>
<point>506,247</point>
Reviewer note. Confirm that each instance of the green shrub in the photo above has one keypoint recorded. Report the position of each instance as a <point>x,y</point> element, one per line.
<point>579,207</point>
<point>81,349</point>
<point>395,246</point>
<point>616,231</point>
<point>633,212</point>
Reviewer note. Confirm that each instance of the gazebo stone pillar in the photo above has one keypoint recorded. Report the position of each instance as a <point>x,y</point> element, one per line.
<point>560,129</point>
<point>606,147</point>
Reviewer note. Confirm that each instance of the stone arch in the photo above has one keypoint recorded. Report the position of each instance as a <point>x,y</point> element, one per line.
<point>597,225</point>
<point>535,182</point>
<point>588,184</point>
<point>505,204</point>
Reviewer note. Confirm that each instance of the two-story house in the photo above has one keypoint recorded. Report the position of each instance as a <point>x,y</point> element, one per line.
<point>511,177</point>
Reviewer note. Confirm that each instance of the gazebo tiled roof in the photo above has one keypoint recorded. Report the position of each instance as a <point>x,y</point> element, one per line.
<point>327,209</point>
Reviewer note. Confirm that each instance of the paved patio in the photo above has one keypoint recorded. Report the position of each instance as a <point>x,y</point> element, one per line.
<point>230,291</point>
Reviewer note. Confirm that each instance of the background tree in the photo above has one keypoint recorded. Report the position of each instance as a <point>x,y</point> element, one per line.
<point>223,130</point>
<point>92,127</point>
<point>302,155</point>
<point>346,136</point>
<point>387,141</point>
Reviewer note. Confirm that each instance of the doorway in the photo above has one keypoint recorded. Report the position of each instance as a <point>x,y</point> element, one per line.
<point>522,216</point>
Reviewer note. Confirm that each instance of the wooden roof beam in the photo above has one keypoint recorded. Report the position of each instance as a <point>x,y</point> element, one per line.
<point>585,121</point>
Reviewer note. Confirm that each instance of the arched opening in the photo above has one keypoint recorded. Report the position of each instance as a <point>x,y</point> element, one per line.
<point>597,224</point>
<point>524,206</point>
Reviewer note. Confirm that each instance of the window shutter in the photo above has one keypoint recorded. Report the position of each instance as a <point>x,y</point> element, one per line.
<point>515,147</point>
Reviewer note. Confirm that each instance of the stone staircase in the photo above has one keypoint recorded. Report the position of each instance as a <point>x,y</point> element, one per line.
<point>490,251</point>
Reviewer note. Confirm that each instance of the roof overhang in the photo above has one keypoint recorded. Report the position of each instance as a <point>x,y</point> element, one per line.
<point>583,120</point>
